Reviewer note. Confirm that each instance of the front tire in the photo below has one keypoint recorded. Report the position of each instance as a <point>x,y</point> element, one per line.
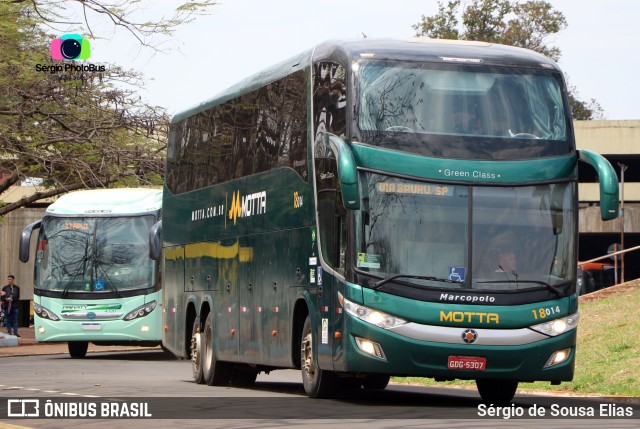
<point>215,373</point>
<point>78,349</point>
<point>317,382</point>
<point>497,391</point>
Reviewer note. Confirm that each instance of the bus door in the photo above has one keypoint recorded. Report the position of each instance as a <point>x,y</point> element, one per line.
<point>325,280</point>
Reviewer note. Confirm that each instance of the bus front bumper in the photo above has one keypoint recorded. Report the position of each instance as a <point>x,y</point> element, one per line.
<point>371,349</point>
<point>144,330</point>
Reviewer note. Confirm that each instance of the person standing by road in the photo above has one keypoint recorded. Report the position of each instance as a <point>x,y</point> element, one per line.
<point>11,300</point>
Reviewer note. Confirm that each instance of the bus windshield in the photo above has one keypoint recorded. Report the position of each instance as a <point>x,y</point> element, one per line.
<point>461,111</point>
<point>449,236</point>
<point>84,254</point>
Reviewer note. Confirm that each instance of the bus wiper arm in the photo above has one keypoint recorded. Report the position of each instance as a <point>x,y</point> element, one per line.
<point>379,284</point>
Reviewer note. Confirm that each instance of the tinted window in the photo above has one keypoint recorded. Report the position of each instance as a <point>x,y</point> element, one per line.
<point>252,133</point>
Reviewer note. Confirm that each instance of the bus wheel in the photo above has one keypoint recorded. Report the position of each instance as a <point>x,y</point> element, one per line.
<point>196,353</point>
<point>78,349</point>
<point>376,381</point>
<point>215,373</point>
<point>497,391</point>
<point>318,383</point>
<point>243,376</point>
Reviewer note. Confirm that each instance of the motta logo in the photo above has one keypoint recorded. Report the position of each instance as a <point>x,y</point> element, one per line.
<point>248,205</point>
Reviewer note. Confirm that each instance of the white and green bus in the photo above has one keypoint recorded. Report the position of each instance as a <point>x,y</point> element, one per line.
<point>375,208</point>
<point>94,279</point>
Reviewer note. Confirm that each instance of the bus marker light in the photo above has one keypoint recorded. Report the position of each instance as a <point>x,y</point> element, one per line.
<point>337,335</point>
<point>233,332</point>
<point>274,332</point>
<point>166,328</point>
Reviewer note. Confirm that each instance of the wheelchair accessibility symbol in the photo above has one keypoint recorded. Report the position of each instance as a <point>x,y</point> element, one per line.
<point>457,274</point>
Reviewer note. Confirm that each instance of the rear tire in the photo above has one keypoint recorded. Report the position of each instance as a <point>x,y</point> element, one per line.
<point>317,382</point>
<point>78,349</point>
<point>497,391</point>
<point>215,373</point>
<point>197,352</point>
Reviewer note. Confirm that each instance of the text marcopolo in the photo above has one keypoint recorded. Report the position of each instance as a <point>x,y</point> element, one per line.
<point>466,298</point>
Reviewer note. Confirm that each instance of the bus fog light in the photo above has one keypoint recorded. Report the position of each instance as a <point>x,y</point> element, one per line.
<point>145,328</point>
<point>41,329</point>
<point>370,348</point>
<point>558,357</point>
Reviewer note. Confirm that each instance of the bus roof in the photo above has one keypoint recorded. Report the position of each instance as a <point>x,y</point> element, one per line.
<point>410,49</point>
<point>107,202</point>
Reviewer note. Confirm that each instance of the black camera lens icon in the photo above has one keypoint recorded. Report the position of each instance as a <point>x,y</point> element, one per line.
<point>70,47</point>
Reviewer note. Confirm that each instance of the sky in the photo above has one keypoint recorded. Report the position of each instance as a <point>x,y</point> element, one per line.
<point>600,47</point>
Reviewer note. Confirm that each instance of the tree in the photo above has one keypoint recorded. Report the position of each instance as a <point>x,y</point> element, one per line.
<point>524,24</point>
<point>55,13</point>
<point>73,124</point>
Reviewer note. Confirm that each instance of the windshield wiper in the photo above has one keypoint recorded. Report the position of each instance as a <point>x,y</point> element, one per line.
<point>539,282</point>
<point>379,284</point>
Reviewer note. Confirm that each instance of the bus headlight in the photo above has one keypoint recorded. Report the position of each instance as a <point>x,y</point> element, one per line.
<point>558,326</point>
<point>141,311</point>
<point>369,315</point>
<point>45,313</point>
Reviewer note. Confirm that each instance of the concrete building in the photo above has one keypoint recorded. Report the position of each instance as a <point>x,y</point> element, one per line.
<point>619,142</point>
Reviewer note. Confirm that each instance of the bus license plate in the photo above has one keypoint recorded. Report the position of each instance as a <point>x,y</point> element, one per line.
<point>91,327</point>
<point>467,363</point>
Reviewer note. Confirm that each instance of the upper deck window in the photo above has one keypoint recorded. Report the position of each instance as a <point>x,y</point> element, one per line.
<point>461,111</point>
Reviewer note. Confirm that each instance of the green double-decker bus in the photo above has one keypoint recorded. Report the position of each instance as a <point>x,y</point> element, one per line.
<point>376,208</point>
<point>94,279</point>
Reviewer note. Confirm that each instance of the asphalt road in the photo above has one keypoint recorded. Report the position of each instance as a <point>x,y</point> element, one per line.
<point>161,389</point>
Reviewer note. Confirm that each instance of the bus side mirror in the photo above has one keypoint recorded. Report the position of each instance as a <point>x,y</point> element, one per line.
<point>25,240</point>
<point>608,183</point>
<point>155,241</point>
<point>347,171</point>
